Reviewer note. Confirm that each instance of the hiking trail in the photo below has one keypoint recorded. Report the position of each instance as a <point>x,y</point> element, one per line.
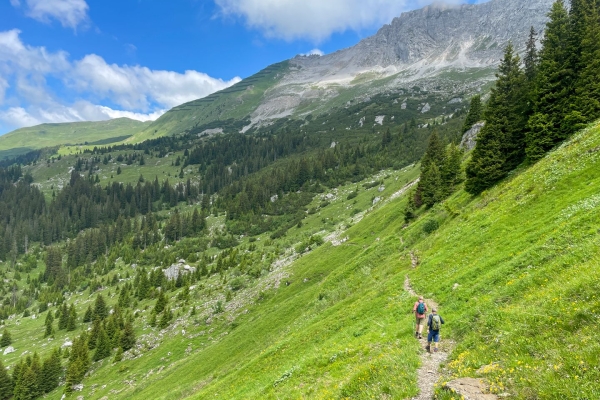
<point>429,373</point>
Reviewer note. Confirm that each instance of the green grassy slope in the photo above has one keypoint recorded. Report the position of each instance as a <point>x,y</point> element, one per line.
<point>24,140</point>
<point>524,256</point>
<point>235,102</point>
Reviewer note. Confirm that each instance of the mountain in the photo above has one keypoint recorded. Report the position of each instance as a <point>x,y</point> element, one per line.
<point>448,51</point>
<point>37,137</point>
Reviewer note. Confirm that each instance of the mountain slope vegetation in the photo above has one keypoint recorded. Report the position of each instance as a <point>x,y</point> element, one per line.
<point>24,140</point>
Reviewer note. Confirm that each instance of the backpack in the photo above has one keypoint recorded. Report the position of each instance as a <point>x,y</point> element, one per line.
<point>421,308</point>
<point>436,323</point>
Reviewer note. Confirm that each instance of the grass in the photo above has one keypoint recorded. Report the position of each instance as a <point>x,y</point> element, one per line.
<point>515,272</point>
<point>24,140</point>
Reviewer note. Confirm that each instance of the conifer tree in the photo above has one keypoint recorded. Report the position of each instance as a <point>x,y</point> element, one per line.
<point>72,321</point>
<point>531,59</point>
<point>100,309</point>
<point>87,317</point>
<point>128,337</point>
<point>63,319</point>
<point>6,339</point>
<point>103,346</point>
<point>587,92</point>
<point>79,363</point>
<point>93,338</point>
<point>431,180</point>
<point>51,371</point>
<point>165,320</point>
<point>6,383</point>
<point>551,89</point>
<point>474,114</point>
<point>501,142</point>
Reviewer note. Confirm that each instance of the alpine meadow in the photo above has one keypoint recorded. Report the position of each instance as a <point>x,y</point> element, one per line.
<point>270,240</point>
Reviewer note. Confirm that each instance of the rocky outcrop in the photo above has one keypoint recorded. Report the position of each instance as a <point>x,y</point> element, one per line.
<point>469,139</point>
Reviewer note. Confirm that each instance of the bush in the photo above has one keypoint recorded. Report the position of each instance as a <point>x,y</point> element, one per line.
<point>352,195</point>
<point>431,226</point>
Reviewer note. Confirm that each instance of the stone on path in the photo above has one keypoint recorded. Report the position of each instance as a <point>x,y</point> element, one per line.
<point>470,389</point>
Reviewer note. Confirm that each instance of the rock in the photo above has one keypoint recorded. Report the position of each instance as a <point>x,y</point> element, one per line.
<point>379,119</point>
<point>67,344</point>
<point>469,139</point>
<point>78,387</point>
<point>426,108</point>
<point>470,389</point>
<point>376,200</point>
<point>9,350</point>
<point>403,106</point>
<point>381,188</point>
<point>456,285</point>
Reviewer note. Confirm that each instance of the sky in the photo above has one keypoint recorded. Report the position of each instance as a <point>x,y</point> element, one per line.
<point>89,60</point>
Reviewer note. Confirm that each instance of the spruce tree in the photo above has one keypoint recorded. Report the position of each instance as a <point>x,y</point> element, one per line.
<point>6,383</point>
<point>87,317</point>
<point>51,371</point>
<point>6,339</point>
<point>103,345</point>
<point>531,59</point>
<point>128,337</point>
<point>587,91</point>
<point>48,323</point>
<point>72,321</point>
<point>161,302</point>
<point>63,319</point>
<point>501,142</point>
<point>551,88</point>
<point>430,182</point>
<point>474,114</point>
<point>100,309</point>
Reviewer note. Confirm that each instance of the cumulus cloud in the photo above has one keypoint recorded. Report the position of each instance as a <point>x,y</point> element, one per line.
<point>138,87</point>
<point>316,19</point>
<point>70,13</point>
<point>313,52</point>
<point>141,93</point>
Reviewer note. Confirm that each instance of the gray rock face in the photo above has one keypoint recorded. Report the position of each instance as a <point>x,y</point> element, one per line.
<point>439,36</point>
<point>469,139</point>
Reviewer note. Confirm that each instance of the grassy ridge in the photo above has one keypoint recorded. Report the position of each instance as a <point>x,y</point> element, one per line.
<point>24,140</point>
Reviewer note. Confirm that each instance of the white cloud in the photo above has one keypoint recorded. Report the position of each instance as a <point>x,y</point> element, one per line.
<point>313,52</point>
<point>70,13</point>
<point>317,19</point>
<point>138,87</point>
<point>140,92</point>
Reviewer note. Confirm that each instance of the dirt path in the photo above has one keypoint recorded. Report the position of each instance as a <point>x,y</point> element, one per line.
<point>429,373</point>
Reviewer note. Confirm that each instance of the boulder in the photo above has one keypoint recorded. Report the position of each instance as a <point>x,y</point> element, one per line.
<point>9,350</point>
<point>469,139</point>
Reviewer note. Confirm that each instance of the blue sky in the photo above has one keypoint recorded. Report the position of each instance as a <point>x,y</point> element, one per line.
<point>75,60</point>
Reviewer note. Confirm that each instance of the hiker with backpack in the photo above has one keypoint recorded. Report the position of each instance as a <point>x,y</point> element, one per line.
<point>420,310</point>
<point>434,323</point>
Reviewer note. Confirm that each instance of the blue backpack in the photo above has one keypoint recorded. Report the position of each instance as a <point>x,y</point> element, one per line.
<point>421,308</point>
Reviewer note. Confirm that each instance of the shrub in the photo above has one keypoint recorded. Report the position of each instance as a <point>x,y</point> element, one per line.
<point>430,226</point>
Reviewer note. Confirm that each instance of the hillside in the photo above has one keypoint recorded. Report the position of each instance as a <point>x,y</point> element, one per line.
<point>448,52</point>
<point>37,137</point>
<point>514,271</point>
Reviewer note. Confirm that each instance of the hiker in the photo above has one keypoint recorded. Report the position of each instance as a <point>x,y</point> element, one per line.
<point>434,323</point>
<point>420,310</point>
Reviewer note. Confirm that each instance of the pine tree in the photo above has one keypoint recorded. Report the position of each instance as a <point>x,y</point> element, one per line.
<point>103,345</point>
<point>49,329</point>
<point>6,383</point>
<point>474,114</point>
<point>6,339</point>
<point>501,142</point>
<point>451,171</point>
